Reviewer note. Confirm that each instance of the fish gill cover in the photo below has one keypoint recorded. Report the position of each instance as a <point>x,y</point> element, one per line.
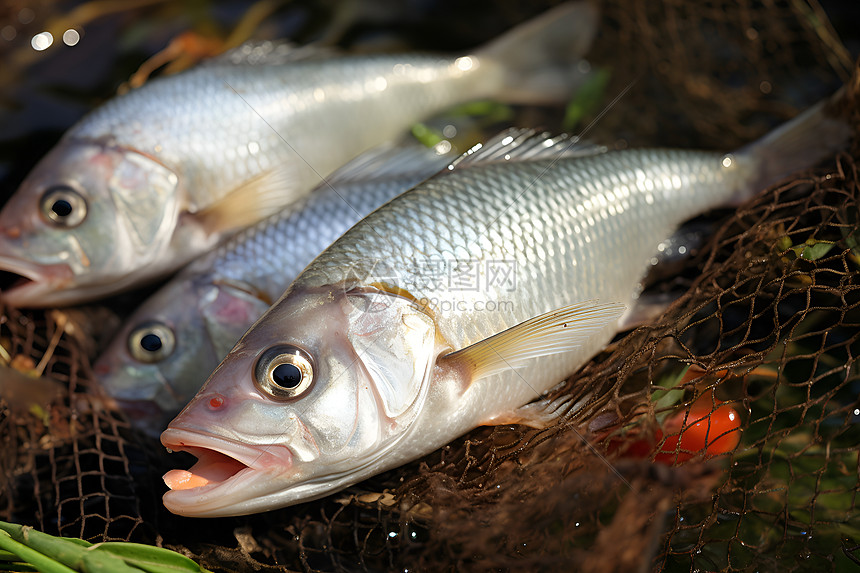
<point>767,327</point>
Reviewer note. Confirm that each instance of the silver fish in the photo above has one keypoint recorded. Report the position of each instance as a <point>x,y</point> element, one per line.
<point>159,175</point>
<point>369,360</point>
<point>165,350</point>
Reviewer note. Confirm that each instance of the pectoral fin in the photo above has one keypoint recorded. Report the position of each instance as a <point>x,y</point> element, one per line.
<point>252,201</point>
<point>557,331</point>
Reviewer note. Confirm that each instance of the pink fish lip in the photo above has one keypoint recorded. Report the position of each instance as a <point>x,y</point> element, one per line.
<point>32,280</point>
<point>214,451</point>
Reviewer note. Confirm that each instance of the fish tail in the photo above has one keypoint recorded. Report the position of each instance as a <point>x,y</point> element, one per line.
<point>542,58</point>
<point>814,135</point>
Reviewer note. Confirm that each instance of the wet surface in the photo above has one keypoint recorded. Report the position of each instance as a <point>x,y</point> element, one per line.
<point>43,92</point>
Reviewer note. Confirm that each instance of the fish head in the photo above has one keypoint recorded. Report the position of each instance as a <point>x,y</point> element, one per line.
<point>308,402</point>
<point>163,353</point>
<point>90,214</point>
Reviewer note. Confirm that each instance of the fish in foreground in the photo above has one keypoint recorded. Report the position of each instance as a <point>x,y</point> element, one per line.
<point>372,358</point>
<point>157,176</point>
<point>166,349</point>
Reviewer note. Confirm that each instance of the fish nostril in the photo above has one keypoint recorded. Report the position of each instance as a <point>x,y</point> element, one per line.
<point>216,402</point>
<point>13,232</point>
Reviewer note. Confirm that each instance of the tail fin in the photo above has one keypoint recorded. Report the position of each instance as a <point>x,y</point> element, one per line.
<point>799,144</point>
<point>543,56</point>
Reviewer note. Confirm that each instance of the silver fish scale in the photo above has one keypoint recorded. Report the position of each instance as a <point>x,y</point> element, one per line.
<point>307,103</point>
<point>270,254</point>
<point>573,230</point>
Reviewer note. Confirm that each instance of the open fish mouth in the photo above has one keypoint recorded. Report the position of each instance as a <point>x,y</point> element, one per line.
<point>226,473</point>
<point>23,282</point>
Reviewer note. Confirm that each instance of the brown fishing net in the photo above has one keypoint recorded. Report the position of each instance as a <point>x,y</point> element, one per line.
<point>767,324</point>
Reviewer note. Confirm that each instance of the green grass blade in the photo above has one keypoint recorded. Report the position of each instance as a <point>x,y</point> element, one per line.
<point>8,556</point>
<point>42,562</point>
<point>74,554</point>
<point>18,567</point>
<point>63,555</point>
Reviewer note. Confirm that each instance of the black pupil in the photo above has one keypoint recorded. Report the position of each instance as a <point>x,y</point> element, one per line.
<point>62,208</point>
<point>150,342</point>
<point>287,376</point>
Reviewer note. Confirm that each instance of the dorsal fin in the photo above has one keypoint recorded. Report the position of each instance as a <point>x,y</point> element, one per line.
<point>522,144</point>
<point>270,53</point>
<point>390,161</point>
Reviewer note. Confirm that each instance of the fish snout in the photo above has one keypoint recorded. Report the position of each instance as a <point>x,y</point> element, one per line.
<point>204,410</point>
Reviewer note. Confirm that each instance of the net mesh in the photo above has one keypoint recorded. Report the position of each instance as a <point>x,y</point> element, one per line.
<point>767,323</point>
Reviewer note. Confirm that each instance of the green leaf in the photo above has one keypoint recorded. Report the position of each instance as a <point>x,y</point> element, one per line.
<point>488,110</point>
<point>783,244</point>
<point>426,135</point>
<point>587,99</point>
<point>814,250</point>
<point>149,558</point>
<point>670,396</point>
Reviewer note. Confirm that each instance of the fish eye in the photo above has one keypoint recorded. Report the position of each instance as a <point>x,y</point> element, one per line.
<point>151,342</point>
<point>284,372</point>
<point>63,206</point>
